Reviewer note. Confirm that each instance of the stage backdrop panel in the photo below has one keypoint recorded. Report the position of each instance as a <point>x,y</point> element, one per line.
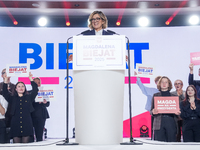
<point>166,48</point>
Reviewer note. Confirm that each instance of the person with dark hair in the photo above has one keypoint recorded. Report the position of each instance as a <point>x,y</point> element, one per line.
<point>97,22</point>
<point>191,80</point>
<point>39,115</point>
<point>190,113</point>
<point>164,125</point>
<point>11,88</point>
<point>21,108</point>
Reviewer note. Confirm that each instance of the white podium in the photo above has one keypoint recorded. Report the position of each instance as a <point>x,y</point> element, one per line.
<point>98,72</point>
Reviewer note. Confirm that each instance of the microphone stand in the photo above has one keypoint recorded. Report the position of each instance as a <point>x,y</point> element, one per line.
<point>131,142</point>
<point>66,141</point>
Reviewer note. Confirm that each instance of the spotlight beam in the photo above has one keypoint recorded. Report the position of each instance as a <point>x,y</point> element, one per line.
<point>183,3</point>
<point>8,12</point>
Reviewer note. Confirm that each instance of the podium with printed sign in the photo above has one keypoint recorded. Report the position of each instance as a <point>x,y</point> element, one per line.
<point>99,64</point>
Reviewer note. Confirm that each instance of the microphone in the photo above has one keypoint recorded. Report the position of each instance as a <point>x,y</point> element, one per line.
<point>85,31</point>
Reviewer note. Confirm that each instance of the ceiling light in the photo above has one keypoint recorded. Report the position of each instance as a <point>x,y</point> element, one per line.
<point>194,20</point>
<point>143,21</point>
<point>42,21</point>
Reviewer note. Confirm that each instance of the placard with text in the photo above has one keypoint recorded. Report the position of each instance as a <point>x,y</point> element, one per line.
<point>166,104</point>
<point>46,92</point>
<point>20,70</point>
<point>144,70</point>
<point>99,52</point>
<point>195,58</point>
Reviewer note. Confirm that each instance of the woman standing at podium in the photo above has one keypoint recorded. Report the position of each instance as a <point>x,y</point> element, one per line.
<point>97,23</point>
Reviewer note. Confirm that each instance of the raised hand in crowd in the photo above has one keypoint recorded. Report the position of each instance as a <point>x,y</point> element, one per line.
<point>191,68</point>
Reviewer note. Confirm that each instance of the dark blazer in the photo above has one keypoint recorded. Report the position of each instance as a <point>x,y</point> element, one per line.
<point>196,83</point>
<point>187,112</point>
<point>157,118</point>
<point>12,99</point>
<point>92,32</point>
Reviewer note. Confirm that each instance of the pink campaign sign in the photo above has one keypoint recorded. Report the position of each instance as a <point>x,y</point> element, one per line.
<point>166,104</point>
<point>195,58</point>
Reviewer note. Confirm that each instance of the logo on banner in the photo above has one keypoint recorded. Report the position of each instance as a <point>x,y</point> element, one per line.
<point>166,104</point>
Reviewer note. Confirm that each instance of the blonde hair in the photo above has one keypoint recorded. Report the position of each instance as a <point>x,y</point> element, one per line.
<point>102,16</point>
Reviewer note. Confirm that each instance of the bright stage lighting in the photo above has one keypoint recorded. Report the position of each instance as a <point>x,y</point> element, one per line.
<point>42,21</point>
<point>143,21</point>
<point>67,23</point>
<point>118,23</point>
<point>194,20</point>
<point>15,22</point>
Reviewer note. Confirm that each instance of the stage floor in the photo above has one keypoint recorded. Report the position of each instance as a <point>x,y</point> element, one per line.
<point>50,144</point>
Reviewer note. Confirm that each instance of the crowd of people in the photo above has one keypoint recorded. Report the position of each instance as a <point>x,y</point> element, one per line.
<point>22,120</point>
<point>168,126</point>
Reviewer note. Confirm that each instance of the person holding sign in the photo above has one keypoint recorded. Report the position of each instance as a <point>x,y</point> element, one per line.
<point>190,113</point>
<point>97,23</point>
<point>39,115</point>
<point>164,125</point>
<point>191,80</point>
<point>21,108</point>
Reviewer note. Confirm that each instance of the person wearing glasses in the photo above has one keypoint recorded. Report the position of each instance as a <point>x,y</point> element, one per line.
<point>97,23</point>
<point>8,116</point>
<point>178,84</point>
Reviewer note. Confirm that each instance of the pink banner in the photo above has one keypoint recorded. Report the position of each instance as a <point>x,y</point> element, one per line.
<point>195,58</point>
<point>44,80</point>
<point>134,79</point>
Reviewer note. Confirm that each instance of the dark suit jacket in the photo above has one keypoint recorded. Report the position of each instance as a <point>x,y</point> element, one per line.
<point>92,32</point>
<point>12,99</point>
<point>157,118</point>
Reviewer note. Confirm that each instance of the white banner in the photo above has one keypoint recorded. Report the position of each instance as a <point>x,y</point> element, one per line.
<point>166,48</point>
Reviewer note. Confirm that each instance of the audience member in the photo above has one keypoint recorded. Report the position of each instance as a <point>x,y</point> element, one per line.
<point>190,113</point>
<point>164,125</point>
<point>178,84</point>
<point>21,108</point>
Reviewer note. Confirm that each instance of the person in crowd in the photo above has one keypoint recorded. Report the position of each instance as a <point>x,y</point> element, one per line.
<point>190,113</point>
<point>39,115</point>
<point>97,23</point>
<point>191,81</point>
<point>164,125</point>
<point>8,116</point>
<point>148,91</point>
<point>3,108</point>
<point>21,108</point>
<point>178,84</point>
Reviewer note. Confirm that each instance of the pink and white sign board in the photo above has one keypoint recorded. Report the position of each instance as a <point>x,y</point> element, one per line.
<point>166,104</point>
<point>195,58</point>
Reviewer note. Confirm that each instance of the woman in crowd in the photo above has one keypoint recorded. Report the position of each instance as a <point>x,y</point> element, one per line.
<point>190,113</point>
<point>21,108</point>
<point>164,125</point>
